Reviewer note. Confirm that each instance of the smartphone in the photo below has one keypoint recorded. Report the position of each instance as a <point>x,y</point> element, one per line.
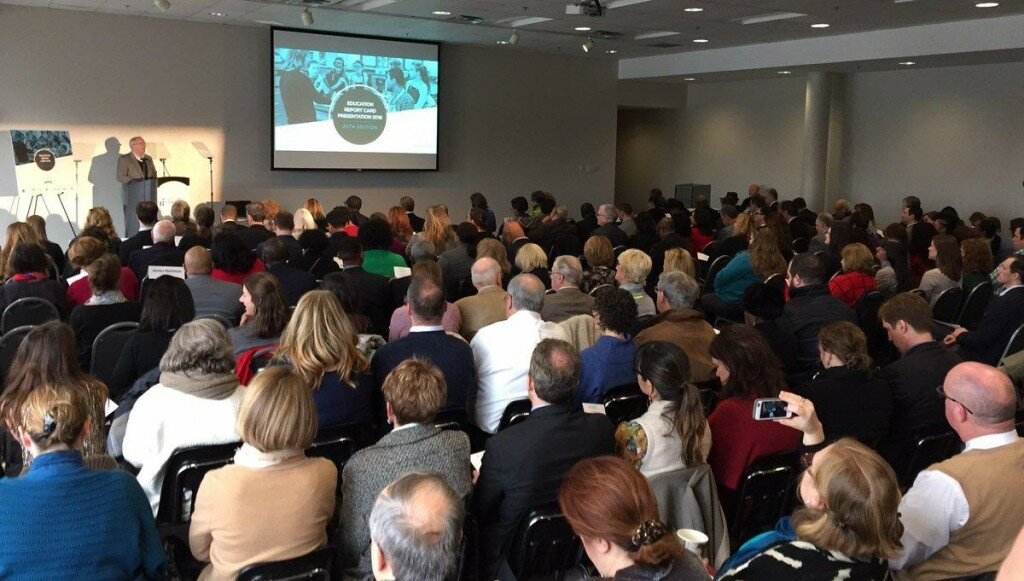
<point>771,409</point>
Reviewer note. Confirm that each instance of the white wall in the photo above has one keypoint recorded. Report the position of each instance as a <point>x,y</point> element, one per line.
<point>511,122</point>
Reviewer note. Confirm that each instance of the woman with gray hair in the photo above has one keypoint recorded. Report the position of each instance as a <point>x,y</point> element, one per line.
<point>195,403</point>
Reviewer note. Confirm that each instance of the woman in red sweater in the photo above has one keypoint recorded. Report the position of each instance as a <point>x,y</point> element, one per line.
<point>232,260</point>
<point>857,277</point>
<point>84,251</point>
<point>748,370</point>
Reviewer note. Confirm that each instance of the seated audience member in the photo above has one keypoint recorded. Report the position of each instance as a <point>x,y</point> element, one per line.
<point>731,281</point>
<point>339,227</point>
<point>456,263</point>
<point>409,206</point>
<point>419,253</point>
<point>437,230</point>
<point>163,252</point>
<point>515,238</point>
<point>209,295</point>
<point>681,324</point>
<point>822,225</point>
<point>316,259</point>
<point>567,300</point>
<point>600,264</point>
<point>762,306</point>
<point>531,259</point>
<point>284,228</point>
<point>803,212</point>
<point>766,258</point>
<point>204,233</point>
<point>374,293</point>
<point>489,247</point>
<point>165,308</point>
<point>838,237</point>
<point>414,392</point>
<point>233,261</point>
<point>401,318</point>
<point>294,282</point>
<point>272,503</point>
<point>524,465</point>
<point>265,315</point>
<point>502,351</point>
<point>849,526</point>
<point>961,515</point>
<point>1017,243</point>
<point>344,289</point>
<point>797,228</point>
<point>53,250</point>
<point>607,214</point>
<point>627,221</point>
<point>229,215</point>
<point>631,275</point>
<point>748,370</point>
<point>673,232</point>
<point>810,306</point>
<point>487,306</point>
<point>727,215</point>
<point>148,213</point>
<point>84,251</point>
<point>320,344</point>
<point>195,403</point>
<point>401,229</point>
<point>99,224</point>
<point>609,362</point>
<point>377,255</point>
<point>740,239</point>
<point>948,271</point>
<point>924,362</point>
<point>427,339</point>
<point>416,529</point>
<point>587,222</point>
<point>62,520</point>
<point>703,231</point>
<point>848,400</point>
<point>894,275</point>
<point>679,260</point>
<point>106,306</point>
<point>181,217</point>
<point>256,214</point>
<point>672,433</point>
<point>1004,315</point>
<point>977,262</point>
<point>857,276</point>
<point>612,508</point>
<point>46,357</point>
<point>555,231</point>
<point>303,220</point>
<point>32,277</point>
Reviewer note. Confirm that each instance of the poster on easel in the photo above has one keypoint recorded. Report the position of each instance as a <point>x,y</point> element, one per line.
<point>43,169</point>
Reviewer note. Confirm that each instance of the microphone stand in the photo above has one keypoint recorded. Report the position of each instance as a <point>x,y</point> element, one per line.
<point>77,187</point>
<point>211,183</point>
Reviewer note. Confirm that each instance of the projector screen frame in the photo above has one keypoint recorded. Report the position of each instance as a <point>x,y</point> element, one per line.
<point>437,136</point>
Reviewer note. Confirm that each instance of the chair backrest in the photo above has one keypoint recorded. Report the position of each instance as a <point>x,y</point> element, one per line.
<point>866,309</point>
<point>928,451</point>
<point>709,399</point>
<point>262,358</point>
<point>28,311</point>
<point>974,306</point>
<point>714,268</point>
<point>624,403</point>
<point>336,448</point>
<point>107,347</point>
<point>514,413</point>
<point>764,495</point>
<point>543,545</point>
<point>185,471</point>
<point>710,248</point>
<point>9,343</point>
<point>1014,345</point>
<point>315,565</point>
<point>452,419</point>
<point>800,245</point>
<point>947,306</point>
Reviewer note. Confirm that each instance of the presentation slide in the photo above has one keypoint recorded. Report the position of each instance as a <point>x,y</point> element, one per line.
<point>346,102</point>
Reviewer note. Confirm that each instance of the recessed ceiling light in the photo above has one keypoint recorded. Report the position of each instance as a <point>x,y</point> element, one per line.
<point>693,9</point>
<point>582,28</point>
<point>986,5</point>
<point>689,79</point>
<point>908,63</point>
<point>217,14</point>
<point>611,51</point>
<point>784,72</point>
<point>441,13</point>
<point>820,25</point>
<point>700,40</point>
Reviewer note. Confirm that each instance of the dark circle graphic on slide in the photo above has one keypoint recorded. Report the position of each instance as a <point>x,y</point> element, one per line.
<point>45,160</point>
<point>359,115</point>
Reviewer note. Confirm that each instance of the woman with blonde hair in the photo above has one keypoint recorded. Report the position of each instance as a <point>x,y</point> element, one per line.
<point>98,219</point>
<point>679,260</point>
<point>17,233</point>
<point>303,221</point>
<point>600,257</point>
<point>857,277</point>
<point>316,209</point>
<point>323,349</point>
<point>766,259</point>
<point>437,230</point>
<point>631,274</point>
<point>273,503</point>
<point>849,526</point>
<point>530,259</point>
<point>740,239</point>
<point>181,217</point>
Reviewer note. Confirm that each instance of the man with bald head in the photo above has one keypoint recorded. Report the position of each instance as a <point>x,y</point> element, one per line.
<point>211,296</point>
<point>163,252</point>
<point>488,304</point>
<point>961,515</point>
<point>515,238</point>
<point>753,191</point>
<point>501,351</point>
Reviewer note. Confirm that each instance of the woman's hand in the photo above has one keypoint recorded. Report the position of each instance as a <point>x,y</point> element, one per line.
<point>804,418</point>
<point>246,318</point>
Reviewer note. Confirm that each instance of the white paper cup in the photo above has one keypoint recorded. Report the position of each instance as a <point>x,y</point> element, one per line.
<point>692,539</point>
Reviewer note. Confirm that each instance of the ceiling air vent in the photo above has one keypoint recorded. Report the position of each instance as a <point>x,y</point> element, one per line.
<point>471,19</point>
<point>665,45</point>
<point>606,35</point>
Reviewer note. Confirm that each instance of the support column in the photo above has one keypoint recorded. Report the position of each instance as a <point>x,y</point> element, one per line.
<point>815,157</point>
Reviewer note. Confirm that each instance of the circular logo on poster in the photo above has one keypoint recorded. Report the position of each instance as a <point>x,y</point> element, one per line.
<point>45,160</point>
<point>359,115</point>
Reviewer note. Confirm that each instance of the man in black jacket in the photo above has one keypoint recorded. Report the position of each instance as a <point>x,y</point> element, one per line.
<point>1002,317</point>
<point>810,306</point>
<point>354,204</point>
<point>294,282</point>
<point>163,252</point>
<point>408,204</point>
<point>256,232</point>
<point>524,465</point>
<point>374,294</point>
<point>606,226</point>
<point>797,228</point>
<point>284,224</point>
<point>806,215</point>
<point>147,212</point>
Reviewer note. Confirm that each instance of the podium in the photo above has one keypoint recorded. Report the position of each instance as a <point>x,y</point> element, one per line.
<point>135,192</point>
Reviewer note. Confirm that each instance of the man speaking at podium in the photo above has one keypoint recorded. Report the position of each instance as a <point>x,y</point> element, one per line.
<point>134,171</point>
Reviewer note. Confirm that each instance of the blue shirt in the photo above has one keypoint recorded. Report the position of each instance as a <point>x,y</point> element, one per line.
<point>339,403</point>
<point>607,364</point>
<point>735,278</point>
<point>62,520</point>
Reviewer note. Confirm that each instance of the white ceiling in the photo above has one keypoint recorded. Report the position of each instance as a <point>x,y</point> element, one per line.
<point>718,22</point>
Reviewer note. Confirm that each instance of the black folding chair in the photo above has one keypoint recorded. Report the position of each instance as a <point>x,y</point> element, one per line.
<point>183,475</point>
<point>1014,345</point>
<point>107,347</point>
<point>336,446</point>
<point>763,496</point>
<point>315,565</point>
<point>624,403</point>
<point>929,450</point>
<point>974,306</point>
<point>800,245</point>
<point>947,305</point>
<point>28,311</point>
<point>544,545</point>
<point>716,267</point>
<point>9,343</point>
<point>515,412</point>
<point>452,419</point>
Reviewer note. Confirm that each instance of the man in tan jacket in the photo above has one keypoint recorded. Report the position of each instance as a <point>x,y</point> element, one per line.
<point>488,304</point>
<point>679,323</point>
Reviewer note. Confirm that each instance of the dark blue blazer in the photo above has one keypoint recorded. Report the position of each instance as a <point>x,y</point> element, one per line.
<point>340,403</point>
<point>1002,317</point>
<point>451,355</point>
<point>294,282</point>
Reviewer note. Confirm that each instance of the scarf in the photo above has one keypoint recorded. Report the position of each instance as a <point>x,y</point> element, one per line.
<point>249,457</point>
<point>201,385</point>
<point>29,277</point>
<point>108,298</point>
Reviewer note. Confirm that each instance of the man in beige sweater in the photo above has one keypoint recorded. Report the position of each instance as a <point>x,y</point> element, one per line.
<point>488,304</point>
